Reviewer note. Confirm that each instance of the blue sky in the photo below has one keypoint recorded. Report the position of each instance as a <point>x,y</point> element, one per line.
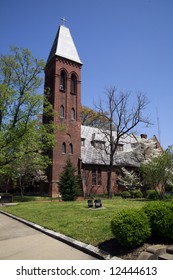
<point>123,43</point>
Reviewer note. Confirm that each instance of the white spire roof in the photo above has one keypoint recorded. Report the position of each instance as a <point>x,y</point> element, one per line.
<point>64,46</point>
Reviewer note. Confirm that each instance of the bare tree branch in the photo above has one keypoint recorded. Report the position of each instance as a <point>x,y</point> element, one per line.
<point>123,116</point>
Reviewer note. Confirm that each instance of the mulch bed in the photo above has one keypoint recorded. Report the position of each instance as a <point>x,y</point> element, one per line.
<point>115,249</point>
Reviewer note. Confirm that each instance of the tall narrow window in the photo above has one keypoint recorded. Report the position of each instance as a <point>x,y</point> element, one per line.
<point>72,114</point>
<point>73,84</point>
<point>70,148</point>
<point>64,148</point>
<point>99,177</point>
<point>62,112</point>
<point>62,85</point>
<point>93,177</point>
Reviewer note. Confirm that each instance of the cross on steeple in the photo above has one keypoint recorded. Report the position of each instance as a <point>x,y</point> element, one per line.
<point>63,21</point>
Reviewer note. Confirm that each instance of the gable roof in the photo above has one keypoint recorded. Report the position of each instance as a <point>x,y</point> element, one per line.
<point>64,46</point>
<point>92,154</point>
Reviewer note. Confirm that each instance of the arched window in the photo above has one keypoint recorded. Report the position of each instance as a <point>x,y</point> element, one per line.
<point>62,85</point>
<point>70,148</point>
<point>73,114</point>
<point>73,89</point>
<point>62,112</point>
<point>64,148</point>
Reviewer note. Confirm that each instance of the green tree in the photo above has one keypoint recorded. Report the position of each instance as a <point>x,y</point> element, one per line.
<point>158,171</point>
<point>69,182</point>
<point>23,137</point>
<point>90,117</point>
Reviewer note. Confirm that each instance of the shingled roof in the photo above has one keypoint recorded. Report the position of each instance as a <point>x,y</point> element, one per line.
<point>96,144</point>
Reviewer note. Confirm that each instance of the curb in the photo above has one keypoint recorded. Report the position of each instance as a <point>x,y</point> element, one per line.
<point>86,248</point>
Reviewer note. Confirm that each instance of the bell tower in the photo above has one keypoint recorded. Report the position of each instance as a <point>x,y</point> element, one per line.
<point>63,79</point>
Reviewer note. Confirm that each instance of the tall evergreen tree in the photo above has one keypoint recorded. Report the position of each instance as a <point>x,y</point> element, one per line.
<point>69,182</point>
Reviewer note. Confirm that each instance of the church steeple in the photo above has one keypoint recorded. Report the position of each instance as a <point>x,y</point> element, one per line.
<point>64,46</point>
<point>63,79</point>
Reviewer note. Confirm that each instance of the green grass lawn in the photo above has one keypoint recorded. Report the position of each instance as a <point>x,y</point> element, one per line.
<point>75,219</point>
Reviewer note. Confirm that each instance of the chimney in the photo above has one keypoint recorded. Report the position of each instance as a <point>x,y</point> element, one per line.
<point>144,136</point>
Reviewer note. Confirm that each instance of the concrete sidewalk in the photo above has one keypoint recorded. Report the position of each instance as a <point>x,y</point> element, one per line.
<point>19,241</point>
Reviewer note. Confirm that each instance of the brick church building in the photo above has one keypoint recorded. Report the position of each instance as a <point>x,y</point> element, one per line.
<point>83,144</point>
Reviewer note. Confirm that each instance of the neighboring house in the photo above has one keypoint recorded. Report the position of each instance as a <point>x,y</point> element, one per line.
<point>86,146</point>
<point>131,151</point>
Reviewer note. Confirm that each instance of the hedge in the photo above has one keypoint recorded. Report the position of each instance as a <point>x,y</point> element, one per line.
<point>131,227</point>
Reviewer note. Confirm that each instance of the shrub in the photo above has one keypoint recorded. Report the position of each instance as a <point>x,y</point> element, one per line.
<point>161,219</point>
<point>167,196</point>
<point>169,205</point>
<point>152,194</point>
<point>126,194</point>
<point>136,194</point>
<point>169,188</point>
<point>130,227</point>
<point>168,225</point>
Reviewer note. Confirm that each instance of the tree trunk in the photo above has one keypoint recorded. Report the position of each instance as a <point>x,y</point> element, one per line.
<point>109,177</point>
<point>21,187</point>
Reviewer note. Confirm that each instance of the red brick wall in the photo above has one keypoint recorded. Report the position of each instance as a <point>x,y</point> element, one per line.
<point>93,189</point>
<point>68,130</point>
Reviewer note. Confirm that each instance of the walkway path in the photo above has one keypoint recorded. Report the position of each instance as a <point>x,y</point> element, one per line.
<point>19,241</point>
